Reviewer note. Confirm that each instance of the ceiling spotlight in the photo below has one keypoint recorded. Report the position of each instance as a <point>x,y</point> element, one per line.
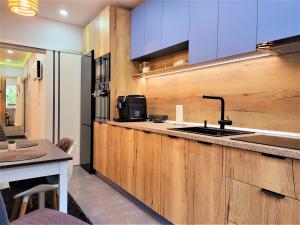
<point>8,60</point>
<point>10,51</point>
<point>63,12</point>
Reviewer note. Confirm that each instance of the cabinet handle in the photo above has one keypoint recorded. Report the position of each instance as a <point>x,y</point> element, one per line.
<point>273,156</point>
<point>171,136</point>
<point>272,193</point>
<point>127,128</point>
<point>205,143</point>
<point>146,132</point>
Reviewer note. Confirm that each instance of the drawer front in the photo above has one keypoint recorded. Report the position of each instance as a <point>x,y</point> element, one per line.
<point>265,171</point>
<point>247,204</point>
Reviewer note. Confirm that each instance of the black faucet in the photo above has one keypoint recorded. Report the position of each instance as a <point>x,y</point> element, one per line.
<point>222,122</point>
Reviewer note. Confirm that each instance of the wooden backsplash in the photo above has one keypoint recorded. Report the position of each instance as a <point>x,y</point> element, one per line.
<point>261,93</point>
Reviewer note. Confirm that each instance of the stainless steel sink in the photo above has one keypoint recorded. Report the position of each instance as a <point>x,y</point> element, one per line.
<point>210,131</point>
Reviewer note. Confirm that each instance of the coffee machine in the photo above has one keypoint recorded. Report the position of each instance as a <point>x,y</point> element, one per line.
<point>131,108</point>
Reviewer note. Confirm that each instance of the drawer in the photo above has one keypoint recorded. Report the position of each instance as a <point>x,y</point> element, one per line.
<point>248,204</point>
<point>265,171</point>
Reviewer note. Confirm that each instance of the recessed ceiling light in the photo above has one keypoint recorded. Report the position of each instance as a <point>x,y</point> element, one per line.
<point>63,12</point>
<point>8,60</point>
<point>10,51</point>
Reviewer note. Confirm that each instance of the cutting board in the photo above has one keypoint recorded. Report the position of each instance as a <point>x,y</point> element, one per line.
<point>20,155</point>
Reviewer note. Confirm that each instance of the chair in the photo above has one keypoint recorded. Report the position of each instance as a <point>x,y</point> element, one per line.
<point>41,216</point>
<point>40,185</point>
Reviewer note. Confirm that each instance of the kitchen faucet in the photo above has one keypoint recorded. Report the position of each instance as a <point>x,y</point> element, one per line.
<point>222,122</point>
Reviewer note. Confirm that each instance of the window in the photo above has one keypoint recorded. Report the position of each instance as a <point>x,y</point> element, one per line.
<point>11,96</point>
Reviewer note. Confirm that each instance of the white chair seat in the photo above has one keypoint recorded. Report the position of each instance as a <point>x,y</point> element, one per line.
<point>37,189</point>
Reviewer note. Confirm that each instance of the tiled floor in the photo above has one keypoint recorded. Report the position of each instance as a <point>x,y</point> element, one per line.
<point>102,204</point>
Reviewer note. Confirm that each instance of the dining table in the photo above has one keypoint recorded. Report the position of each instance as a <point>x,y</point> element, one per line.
<point>54,161</point>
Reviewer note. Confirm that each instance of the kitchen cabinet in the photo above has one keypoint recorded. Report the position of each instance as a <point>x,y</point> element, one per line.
<point>237,27</point>
<point>206,183</point>
<point>203,32</point>
<point>265,171</point>
<point>147,172</point>
<point>126,164</point>
<point>138,31</point>
<point>277,19</point>
<point>100,147</point>
<point>296,167</point>
<point>174,199</point>
<point>96,35</point>
<point>113,153</point>
<point>248,204</point>
<point>175,22</point>
<point>153,23</point>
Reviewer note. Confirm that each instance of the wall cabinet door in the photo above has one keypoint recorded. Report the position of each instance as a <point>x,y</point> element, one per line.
<point>100,147</point>
<point>278,19</point>
<point>153,20</point>
<point>138,31</point>
<point>206,183</point>
<point>296,170</point>
<point>127,161</point>
<point>203,35</point>
<point>237,27</point>
<point>147,172</point>
<point>175,22</point>
<point>174,179</point>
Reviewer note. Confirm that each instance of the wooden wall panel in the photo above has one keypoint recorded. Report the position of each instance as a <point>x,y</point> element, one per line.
<point>261,93</point>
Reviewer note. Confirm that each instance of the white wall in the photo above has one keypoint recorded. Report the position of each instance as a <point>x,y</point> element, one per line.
<point>10,71</point>
<point>38,32</point>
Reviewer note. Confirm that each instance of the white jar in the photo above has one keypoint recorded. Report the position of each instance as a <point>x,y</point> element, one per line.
<point>12,147</point>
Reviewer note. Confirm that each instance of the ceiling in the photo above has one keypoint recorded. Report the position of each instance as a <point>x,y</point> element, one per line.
<point>80,12</point>
<point>17,58</point>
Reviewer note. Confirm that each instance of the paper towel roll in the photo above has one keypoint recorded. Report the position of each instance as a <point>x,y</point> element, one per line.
<point>179,114</point>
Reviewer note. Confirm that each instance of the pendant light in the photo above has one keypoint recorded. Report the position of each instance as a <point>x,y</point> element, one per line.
<point>24,7</point>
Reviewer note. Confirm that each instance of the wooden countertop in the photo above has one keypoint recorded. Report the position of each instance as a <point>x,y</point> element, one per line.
<point>53,154</point>
<point>162,128</point>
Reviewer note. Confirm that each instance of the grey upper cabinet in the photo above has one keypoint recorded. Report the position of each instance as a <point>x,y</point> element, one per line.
<point>278,19</point>
<point>237,27</point>
<point>203,35</point>
<point>153,23</point>
<point>138,31</point>
<point>175,22</point>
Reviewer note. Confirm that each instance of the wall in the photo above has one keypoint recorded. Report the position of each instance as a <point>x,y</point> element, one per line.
<point>35,101</point>
<point>11,71</point>
<point>38,32</point>
<point>262,93</point>
<point>19,117</point>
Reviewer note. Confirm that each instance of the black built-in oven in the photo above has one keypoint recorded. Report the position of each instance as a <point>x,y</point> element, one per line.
<point>102,89</point>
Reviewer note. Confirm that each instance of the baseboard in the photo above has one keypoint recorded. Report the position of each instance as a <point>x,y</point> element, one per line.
<point>133,199</point>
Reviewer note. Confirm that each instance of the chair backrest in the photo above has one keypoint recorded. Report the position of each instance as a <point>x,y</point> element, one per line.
<point>2,134</point>
<point>68,146</point>
<point>3,213</point>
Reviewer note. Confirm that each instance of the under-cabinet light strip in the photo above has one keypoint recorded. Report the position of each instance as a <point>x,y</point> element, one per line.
<point>217,63</point>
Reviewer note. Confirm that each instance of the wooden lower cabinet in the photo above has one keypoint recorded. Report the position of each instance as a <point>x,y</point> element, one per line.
<point>114,147</point>
<point>147,172</point>
<point>248,204</point>
<point>272,173</point>
<point>100,147</point>
<point>127,161</point>
<point>174,175</point>
<point>296,170</point>
<point>120,157</point>
<point>206,183</point>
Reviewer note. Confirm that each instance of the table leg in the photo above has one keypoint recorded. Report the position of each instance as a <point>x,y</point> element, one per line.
<point>63,186</point>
